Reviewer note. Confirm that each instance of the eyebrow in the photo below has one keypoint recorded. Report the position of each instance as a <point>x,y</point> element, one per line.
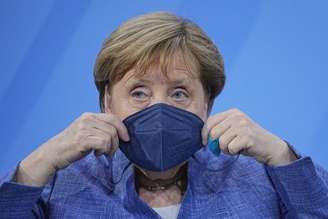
<point>179,82</point>
<point>185,82</point>
<point>139,81</point>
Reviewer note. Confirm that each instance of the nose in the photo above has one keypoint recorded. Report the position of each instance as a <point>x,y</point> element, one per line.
<point>159,98</point>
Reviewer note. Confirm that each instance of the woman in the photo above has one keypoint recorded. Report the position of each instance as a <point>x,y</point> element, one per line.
<point>157,77</point>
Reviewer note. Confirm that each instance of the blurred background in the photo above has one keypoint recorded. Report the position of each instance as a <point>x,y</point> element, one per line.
<point>275,54</point>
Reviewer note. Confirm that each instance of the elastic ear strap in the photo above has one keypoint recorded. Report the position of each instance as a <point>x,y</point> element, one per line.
<point>124,169</point>
<point>52,187</point>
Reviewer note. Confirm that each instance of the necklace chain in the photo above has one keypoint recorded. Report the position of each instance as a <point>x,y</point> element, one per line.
<point>179,180</point>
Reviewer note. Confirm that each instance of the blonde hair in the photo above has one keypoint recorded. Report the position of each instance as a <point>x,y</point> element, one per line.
<point>155,38</point>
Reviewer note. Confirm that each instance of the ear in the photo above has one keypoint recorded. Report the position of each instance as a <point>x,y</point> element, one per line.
<point>107,101</point>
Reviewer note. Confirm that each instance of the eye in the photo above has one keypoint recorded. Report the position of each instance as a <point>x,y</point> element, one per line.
<point>180,94</point>
<point>139,94</point>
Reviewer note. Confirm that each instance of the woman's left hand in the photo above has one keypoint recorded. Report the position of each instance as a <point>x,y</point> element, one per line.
<point>237,133</point>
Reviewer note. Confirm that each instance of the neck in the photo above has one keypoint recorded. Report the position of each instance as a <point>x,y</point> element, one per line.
<point>178,179</point>
<point>167,174</point>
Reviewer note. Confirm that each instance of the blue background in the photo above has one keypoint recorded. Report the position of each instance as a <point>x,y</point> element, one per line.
<point>275,54</point>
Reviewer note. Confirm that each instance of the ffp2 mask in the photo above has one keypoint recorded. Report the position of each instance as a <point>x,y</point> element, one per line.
<point>162,136</point>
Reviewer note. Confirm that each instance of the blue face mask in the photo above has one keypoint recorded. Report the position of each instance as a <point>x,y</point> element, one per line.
<point>162,137</point>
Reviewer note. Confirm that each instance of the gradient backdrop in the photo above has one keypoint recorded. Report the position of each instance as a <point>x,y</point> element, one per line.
<point>275,54</point>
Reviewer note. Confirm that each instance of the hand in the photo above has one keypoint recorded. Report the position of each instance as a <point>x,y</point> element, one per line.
<point>96,132</point>
<point>237,133</point>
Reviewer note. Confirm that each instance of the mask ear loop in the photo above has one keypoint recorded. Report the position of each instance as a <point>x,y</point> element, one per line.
<point>124,170</point>
<point>52,187</point>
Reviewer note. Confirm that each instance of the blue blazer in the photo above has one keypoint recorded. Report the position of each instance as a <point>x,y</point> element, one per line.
<point>218,187</point>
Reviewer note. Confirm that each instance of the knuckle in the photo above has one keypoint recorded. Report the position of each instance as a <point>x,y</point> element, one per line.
<point>250,142</point>
<point>113,130</point>
<point>209,122</point>
<point>110,117</point>
<point>80,125</point>
<point>223,142</point>
<point>79,137</point>
<point>108,139</point>
<point>103,141</point>
<point>250,133</point>
<point>88,113</point>
<point>86,116</point>
<point>213,133</point>
<point>237,112</point>
<point>243,122</point>
<point>74,143</point>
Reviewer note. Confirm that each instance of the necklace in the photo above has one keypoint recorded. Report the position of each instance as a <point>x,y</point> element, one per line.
<point>179,180</point>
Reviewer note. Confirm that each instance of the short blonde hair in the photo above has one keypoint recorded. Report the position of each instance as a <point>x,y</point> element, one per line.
<point>154,38</point>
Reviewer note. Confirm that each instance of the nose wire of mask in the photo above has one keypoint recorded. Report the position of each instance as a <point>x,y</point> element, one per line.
<point>162,136</point>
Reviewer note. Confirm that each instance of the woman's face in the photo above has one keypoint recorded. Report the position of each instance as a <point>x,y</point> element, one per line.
<point>181,88</point>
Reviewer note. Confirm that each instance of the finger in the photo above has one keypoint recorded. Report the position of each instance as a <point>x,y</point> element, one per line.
<point>106,129</point>
<point>97,144</point>
<point>103,127</point>
<point>220,128</point>
<point>114,121</point>
<point>226,138</point>
<point>112,141</point>
<point>237,145</point>
<point>114,146</point>
<point>213,121</point>
<point>100,141</point>
<point>234,120</point>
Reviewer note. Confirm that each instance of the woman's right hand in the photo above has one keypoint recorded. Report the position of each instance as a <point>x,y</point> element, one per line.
<point>98,132</point>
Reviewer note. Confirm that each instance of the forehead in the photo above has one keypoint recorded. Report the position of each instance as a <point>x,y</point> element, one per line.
<point>178,69</point>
